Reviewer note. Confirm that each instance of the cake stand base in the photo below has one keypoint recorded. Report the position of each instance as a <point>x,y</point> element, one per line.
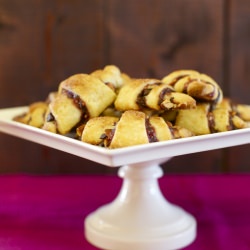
<point>140,218</point>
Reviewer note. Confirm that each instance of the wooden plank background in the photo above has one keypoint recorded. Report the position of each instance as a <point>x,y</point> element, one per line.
<point>43,42</point>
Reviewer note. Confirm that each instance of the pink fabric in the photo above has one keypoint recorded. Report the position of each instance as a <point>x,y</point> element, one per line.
<point>47,212</point>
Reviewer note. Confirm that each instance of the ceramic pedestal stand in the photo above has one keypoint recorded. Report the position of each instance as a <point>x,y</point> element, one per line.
<point>140,218</point>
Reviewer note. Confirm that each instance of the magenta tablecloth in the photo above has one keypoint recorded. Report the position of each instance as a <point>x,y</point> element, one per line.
<point>47,212</point>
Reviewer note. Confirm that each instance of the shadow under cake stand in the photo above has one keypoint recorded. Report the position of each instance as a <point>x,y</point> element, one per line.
<point>140,217</point>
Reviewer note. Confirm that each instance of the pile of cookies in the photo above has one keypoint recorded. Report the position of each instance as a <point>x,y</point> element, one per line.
<point>110,109</point>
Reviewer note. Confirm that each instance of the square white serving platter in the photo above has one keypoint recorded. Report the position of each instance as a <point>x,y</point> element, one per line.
<point>122,156</point>
<point>140,218</point>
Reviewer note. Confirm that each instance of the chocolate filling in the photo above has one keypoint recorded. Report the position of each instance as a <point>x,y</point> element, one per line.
<point>211,95</point>
<point>218,97</point>
<point>231,124</point>
<point>80,104</point>
<point>141,100</point>
<point>110,85</point>
<point>163,93</point>
<point>186,84</point>
<point>50,117</point>
<point>174,132</point>
<point>151,133</point>
<point>208,97</point>
<point>211,122</point>
<point>175,80</point>
<point>107,136</point>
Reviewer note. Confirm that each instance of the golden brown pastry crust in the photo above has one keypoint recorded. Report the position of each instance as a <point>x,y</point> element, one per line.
<point>133,128</point>
<point>79,98</point>
<point>96,127</point>
<point>243,111</point>
<point>111,76</point>
<point>207,118</point>
<point>65,113</point>
<point>195,120</point>
<point>128,94</point>
<point>139,94</point>
<point>164,97</point>
<point>92,92</point>
<point>162,130</point>
<point>226,117</point>
<point>200,86</point>
<point>35,115</point>
<point>130,130</point>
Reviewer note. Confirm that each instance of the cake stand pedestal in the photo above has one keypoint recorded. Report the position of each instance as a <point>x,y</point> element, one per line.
<point>140,218</point>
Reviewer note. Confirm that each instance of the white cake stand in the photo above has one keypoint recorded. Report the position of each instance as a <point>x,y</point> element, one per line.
<point>140,218</point>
